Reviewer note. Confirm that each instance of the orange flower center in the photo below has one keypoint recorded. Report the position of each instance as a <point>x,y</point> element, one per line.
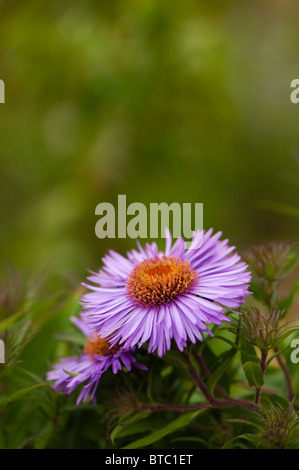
<point>158,281</point>
<point>100,346</point>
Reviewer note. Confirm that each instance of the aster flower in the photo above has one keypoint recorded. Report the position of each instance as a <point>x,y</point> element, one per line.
<point>97,358</point>
<point>159,296</point>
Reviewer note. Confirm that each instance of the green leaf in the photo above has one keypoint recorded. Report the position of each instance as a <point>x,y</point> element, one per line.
<point>270,272</point>
<point>270,398</point>
<point>248,352</point>
<point>258,292</point>
<point>31,375</point>
<point>242,421</point>
<point>72,374</point>
<point>4,324</point>
<point>246,437</point>
<point>285,304</point>
<point>223,363</point>
<point>260,344</point>
<point>178,423</point>
<point>135,428</point>
<point>206,444</point>
<point>224,360</point>
<point>175,359</point>
<point>17,395</point>
<point>154,382</point>
<point>44,342</point>
<point>253,374</point>
<point>286,334</point>
<point>42,440</point>
<point>121,427</point>
<point>226,340</point>
<point>276,354</point>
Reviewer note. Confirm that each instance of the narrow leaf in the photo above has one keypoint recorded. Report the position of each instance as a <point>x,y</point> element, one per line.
<point>178,423</point>
<point>285,304</point>
<point>17,395</point>
<point>4,324</point>
<point>224,361</point>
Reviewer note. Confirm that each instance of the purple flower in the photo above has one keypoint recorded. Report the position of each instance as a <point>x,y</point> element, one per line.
<point>98,356</point>
<point>156,297</point>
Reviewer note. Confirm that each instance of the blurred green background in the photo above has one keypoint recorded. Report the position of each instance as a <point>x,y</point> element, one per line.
<point>161,100</point>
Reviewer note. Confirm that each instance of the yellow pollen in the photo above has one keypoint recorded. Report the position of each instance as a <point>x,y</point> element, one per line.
<point>157,281</point>
<point>100,346</point>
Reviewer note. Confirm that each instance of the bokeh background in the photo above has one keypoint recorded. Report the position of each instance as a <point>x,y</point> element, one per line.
<point>160,100</point>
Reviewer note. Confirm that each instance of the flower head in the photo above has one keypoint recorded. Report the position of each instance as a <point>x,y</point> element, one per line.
<point>278,427</point>
<point>272,260</point>
<point>263,328</point>
<point>159,296</point>
<point>98,356</point>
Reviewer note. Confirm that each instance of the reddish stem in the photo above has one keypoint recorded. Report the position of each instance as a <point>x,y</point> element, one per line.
<point>228,402</point>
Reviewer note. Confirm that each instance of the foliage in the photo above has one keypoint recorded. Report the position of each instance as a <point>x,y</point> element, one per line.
<point>237,389</point>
